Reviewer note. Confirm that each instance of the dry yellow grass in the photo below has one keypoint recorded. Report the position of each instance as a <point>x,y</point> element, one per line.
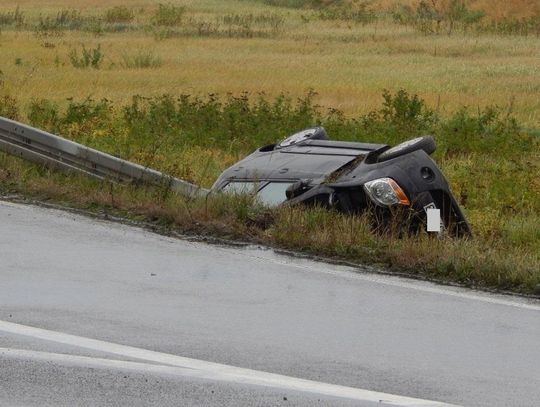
<point>348,65</point>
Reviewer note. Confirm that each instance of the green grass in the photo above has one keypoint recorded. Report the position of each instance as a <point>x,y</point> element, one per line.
<point>141,59</point>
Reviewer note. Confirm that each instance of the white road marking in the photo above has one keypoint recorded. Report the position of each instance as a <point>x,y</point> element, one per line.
<point>179,365</point>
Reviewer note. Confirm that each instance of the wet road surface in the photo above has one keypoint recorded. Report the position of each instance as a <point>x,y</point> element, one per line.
<point>247,309</point>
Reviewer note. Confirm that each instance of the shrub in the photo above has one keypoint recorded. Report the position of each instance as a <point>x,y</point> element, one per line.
<point>402,116</point>
<point>234,123</point>
<point>88,109</point>
<point>84,121</point>
<point>485,132</point>
<point>44,114</point>
<point>168,15</point>
<point>88,57</point>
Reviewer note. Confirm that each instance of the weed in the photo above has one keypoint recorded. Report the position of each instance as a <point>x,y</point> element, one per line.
<point>168,15</point>
<point>513,26</point>
<point>92,57</point>
<point>142,59</point>
<point>206,28</point>
<point>15,18</point>
<point>431,17</point>
<point>358,13</point>
<point>487,131</point>
<point>88,110</point>
<point>44,114</point>
<point>63,20</point>
<point>119,14</point>
<point>304,3</point>
<point>250,25</point>
<point>9,107</point>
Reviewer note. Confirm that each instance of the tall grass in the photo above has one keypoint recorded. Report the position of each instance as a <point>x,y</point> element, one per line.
<point>119,14</point>
<point>168,15</point>
<point>141,59</point>
<point>12,18</point>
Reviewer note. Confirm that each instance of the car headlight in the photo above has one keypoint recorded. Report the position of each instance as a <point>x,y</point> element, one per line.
<point>386,192</point>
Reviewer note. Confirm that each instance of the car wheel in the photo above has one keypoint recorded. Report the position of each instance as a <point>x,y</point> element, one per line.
<point>426,143</point>
<point>315,133</point>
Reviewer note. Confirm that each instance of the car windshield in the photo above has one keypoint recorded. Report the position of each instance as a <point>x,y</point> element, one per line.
<point>273,193</point>
<point>241,187</point>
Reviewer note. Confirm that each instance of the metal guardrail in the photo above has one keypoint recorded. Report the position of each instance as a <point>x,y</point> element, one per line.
<point>45,148</point>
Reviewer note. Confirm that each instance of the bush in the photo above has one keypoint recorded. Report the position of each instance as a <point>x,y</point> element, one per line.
<point>168,15</point>
<point>88,110</point>
<point>233,124</point>
<point>44,114</point>
<point>487,131</point>
<point>88,58</point>
<point>402,116</point>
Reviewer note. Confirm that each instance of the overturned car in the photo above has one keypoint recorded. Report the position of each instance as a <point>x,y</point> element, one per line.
<point>397,184</point>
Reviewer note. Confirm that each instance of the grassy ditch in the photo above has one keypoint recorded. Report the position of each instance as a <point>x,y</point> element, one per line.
<point>490,160</point>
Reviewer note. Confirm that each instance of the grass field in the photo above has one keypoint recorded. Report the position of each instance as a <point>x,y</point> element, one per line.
<point>349,64</point>
<point>478,94</point>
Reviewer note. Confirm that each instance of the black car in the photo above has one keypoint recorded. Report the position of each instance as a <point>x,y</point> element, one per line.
<point>351,177</point>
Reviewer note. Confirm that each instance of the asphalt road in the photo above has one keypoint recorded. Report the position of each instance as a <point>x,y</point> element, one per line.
<point>97,313</point>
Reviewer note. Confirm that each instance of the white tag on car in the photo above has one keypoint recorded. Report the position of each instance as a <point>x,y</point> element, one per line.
<point>433,220</point>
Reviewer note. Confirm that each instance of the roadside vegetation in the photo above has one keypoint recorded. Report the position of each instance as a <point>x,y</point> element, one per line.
<point>195,138</point>
<point>216,79</point>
